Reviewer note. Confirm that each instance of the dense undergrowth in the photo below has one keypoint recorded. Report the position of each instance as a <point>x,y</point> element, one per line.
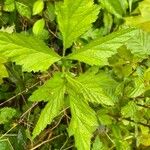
<point>74,74</point>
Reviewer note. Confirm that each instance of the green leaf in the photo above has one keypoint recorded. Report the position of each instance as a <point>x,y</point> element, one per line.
<point>116,7</point>
<point>38,7</point>
<point>99,50</point>
<point>27,51</point>
<point>23,9</point>
<point>98,145</point>
<point>6,114</point>
<point>75,18</point>
<point>90,85</point>
<point>3,70</point>
<point>38,26</point>
<point>55,104</point>
<point>5,145</point>
<point>139,44</point>
<point>129,110</point>
<point>83,122</point>
<point>138,89</point>
<point>49,88</point>
<point>143,19</point>
<point>9,5</point>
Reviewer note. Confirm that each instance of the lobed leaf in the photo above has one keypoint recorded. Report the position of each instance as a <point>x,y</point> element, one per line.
<point>74,18</point>
<point>54,105</point>
<point>83,122</point>
<point>99,50</point>
<point>27,51</point>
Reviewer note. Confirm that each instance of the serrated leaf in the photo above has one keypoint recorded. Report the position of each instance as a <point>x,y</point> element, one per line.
<point>23,9</point>
<point>3,71</point>
<point>83,122</point>
<point>90,85</point>
<point>49,88</point>
<point>129,110</point>
<point>139,44</point>
<point>38,7</point>
<point>54,105</point>
<point>6,114</point>
<point>27,51</point>
<point>99,50</point>
<point>138,89</point>
<point>74,18</point>
<point>38,26</point>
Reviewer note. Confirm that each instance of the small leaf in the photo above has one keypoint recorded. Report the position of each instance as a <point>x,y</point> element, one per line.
<point>129,110</point>
<point>27,51</point>
<point>53,107</point>
<point>99,50</point>
<point>38,26</point>
<point>6,114</point>
<point>23,9</point>
<point>83,122</point>
<point>98,145</point>
<point>9,5</point>
<point>38,7</point>
<point>73,21</point>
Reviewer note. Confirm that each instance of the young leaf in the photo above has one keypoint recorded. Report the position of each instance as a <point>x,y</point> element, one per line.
<point>38,7</point>
<point>53,107</point>
<point>38,26</point>
<point>6,114</point>
<point>83,122</point>
<point>48,89</point>
<point>98,51</point>
<point>27,51</point>
<point>129,110</point>
<point>90,85</point>
<point>74,18</point>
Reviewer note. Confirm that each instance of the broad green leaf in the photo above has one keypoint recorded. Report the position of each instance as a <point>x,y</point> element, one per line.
<point>3,71</point>
<point>38,26</point>
<point>54,105</point>
<point>6,114</point>
<point>99,50</point>
<point>48,89</point>
<point>139,44</point>
<point>38,7</point>
<point>116,7</point>
<point>75,18</point>
<point>83,122</point>
<point>129,110</point>
<point>91,87</point>
<point>27,51</point>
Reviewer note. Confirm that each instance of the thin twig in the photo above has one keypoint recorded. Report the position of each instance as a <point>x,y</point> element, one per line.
<point>46,142</point>
<point>24,91</point>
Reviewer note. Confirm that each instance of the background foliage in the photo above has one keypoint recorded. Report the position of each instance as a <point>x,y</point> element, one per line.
<point>68,80</point>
